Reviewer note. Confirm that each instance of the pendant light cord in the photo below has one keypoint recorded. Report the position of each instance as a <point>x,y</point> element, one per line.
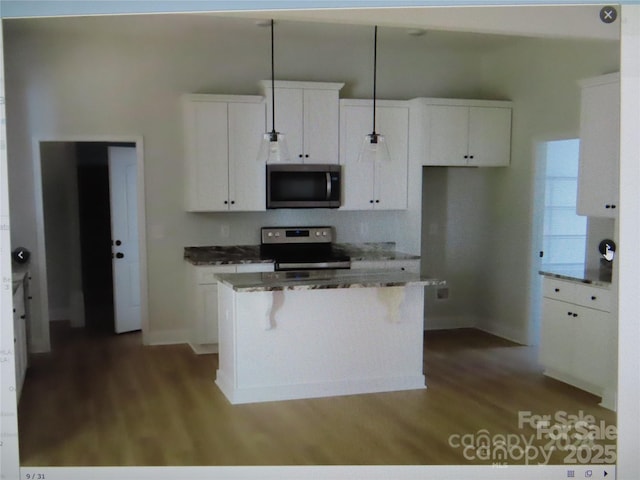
<point>375,55</point>
<point>273,92</point>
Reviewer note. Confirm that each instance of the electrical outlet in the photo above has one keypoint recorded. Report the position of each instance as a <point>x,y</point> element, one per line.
<point>442,293</point>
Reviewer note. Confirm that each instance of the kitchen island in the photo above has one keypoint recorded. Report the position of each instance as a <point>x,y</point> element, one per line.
<point>318,333</point>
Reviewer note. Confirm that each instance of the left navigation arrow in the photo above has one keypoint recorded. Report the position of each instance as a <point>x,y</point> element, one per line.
<point>21,255</point>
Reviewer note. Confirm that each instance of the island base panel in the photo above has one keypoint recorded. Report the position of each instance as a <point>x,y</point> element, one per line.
<point>289,344</point>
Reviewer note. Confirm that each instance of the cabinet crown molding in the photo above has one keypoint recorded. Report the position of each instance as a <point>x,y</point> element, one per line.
<point>460,102</point>
<point>266,84</point>
<point>214,97</point>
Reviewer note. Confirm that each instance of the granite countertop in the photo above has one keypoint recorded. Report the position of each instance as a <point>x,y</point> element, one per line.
<point>239,254</point>
<point>592,277</point>
<point>225,255</point>
<point>375,251</point>
<point>323,279</point>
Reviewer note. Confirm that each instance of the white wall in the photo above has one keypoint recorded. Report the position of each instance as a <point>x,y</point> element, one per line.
<point>112,76</point>
<point>485,249</point>
<point>124,75</point>
<point>62,231</point>
<point>455,243</point>
<point>541,77</point>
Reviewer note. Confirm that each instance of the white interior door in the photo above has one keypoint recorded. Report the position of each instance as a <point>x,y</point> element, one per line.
<point>124,236</point>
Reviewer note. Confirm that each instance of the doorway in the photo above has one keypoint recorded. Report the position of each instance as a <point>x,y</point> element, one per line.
<point>559,233</point>
<point>92,163</point>
<point>76,275</point>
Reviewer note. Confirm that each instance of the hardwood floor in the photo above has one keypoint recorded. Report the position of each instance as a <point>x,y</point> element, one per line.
<point>105,400</point>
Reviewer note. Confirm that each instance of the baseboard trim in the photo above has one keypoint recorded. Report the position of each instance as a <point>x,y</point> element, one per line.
<point>500,331</point>
<point>238,395</point>
<point>59,313</point>
<point>167,337</point>
<point>448,322</point>
<point>204,348</point>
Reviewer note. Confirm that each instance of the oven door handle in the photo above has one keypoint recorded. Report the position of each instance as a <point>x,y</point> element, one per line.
<point>329,186</point>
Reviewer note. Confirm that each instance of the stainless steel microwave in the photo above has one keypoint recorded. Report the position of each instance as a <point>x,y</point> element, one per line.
<point>298,185</point>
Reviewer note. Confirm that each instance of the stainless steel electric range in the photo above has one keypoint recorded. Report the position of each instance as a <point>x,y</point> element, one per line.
<point>302,248</point>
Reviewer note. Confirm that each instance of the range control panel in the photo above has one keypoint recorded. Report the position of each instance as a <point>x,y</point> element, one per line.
<point>276,235</point>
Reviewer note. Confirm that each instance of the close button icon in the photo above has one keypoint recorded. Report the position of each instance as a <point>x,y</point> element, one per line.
<point>608,14</point>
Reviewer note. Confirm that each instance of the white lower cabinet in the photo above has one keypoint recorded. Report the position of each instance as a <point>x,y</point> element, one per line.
<point>203,301</point>
<point>578,337</point>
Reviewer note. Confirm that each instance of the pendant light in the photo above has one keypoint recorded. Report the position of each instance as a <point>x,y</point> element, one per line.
<point>374,147</point>
<point>273,148</point>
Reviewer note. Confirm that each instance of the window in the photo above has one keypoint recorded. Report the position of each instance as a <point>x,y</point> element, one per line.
<point>564,232</point>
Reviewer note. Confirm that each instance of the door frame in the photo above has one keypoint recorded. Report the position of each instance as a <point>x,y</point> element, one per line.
<point>44,344</point>
<point>537,224</point>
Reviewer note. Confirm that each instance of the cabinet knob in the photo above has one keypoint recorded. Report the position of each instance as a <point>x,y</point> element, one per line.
<point>370,201</point>
<point>569,314</point>
<point>613,206</point>
<point>466,156</point>
<point>575,314</point>
<point>593,297</point>
<point>470,156</point>
<point>300,156</point>
<point>556,290</point>
<point>377,201</point>
<point>306,156</point>
<point>233,202</point>
<point>226,202</point>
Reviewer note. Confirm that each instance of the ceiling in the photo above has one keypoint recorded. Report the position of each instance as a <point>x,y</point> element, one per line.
<point>473,29</point>
<point>557,21</point>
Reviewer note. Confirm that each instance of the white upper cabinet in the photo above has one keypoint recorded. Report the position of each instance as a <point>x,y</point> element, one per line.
<point>598,189</point>
<point>222,140</point>
<point>308,114</point>
<point>464,133</point>
<point>374,186</point>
